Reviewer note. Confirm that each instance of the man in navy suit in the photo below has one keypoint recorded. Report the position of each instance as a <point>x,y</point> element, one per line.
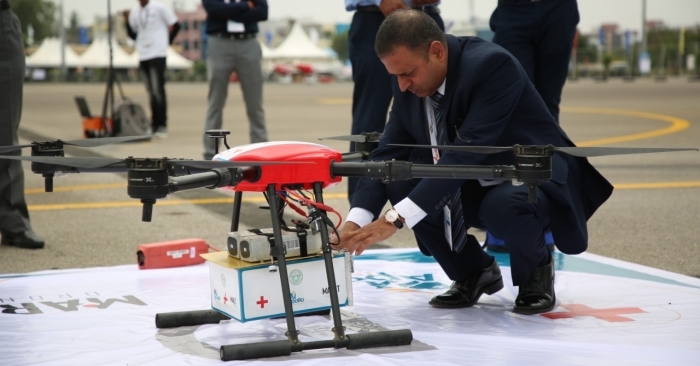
<point>484,98</point>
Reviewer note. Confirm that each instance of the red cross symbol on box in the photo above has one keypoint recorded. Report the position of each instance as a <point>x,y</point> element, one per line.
<point>611,315</point>
<point>225,299</point>
<point>262,302</point>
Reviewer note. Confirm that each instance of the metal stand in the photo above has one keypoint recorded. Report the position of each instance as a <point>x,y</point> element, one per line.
<point>292,344</point>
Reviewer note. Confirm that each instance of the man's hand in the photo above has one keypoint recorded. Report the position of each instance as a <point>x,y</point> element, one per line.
<point>423,2</point>
<point>356,239</point>
<point>125,13</point>
<point>389,6</point>
<point>251,4</point>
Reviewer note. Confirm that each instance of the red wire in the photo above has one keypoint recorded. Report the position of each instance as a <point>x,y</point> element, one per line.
<point>293,206</point>
<point>318,205</point>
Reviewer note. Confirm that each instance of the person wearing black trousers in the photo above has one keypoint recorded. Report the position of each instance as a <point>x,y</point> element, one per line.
<point>15,228</point>
<point>372,92</point>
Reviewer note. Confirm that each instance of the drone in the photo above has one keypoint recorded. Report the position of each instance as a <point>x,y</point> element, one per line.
<point>281,170</point>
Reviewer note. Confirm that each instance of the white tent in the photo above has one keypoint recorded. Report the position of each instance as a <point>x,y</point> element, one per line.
<point>97,55</point>
<point>173,60</point>
<point>48,55</point>
<point>176,60</point>
<point>298,46</point>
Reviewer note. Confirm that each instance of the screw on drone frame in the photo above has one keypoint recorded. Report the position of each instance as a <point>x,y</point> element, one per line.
<point>217,135</point>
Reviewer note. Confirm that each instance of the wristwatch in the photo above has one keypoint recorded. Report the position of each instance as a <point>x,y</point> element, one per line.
<point>392,217</point>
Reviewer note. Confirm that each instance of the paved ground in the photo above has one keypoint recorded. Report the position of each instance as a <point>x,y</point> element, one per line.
<point>651,219</point>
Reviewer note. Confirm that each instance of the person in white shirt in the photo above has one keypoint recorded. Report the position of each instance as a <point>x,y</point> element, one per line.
<point>153,27</point>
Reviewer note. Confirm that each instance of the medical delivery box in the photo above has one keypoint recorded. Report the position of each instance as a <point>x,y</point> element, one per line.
<point>250,291</point>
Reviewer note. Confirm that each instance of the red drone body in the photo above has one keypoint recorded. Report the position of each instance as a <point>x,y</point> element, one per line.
<point>318,169</point>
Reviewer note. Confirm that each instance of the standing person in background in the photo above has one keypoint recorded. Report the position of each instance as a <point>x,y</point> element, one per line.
<point>15,228</point>
<point>232,26</point>
<point>540,34</point>
<point>372,91</point>
<point>153,27</point>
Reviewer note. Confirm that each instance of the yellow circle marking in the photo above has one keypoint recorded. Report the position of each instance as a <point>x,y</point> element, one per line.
<point>676,125</point>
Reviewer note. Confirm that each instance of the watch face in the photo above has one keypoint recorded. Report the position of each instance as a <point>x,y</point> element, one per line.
<point>391,215</point>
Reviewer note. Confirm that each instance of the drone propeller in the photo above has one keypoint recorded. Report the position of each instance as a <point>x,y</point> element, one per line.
<point>95,163</point>
<point>81,143</point>
<point>364,137</point>
<point>575,151</point>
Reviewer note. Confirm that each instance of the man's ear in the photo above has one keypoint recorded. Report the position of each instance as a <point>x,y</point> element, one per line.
<point>437,50</point>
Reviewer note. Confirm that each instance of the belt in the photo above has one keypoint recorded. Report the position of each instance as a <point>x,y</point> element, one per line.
<point>428,9</point>
<point>234,35</point>
<point>4,5</point>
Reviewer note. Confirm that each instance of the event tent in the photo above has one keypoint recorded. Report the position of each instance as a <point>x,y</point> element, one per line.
<point>48,55</point>
<point>298,46</point>
<point>97,56</point>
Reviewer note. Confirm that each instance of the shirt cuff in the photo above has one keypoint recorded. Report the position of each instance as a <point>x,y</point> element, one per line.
<point>411,213</point>
<point>360,216</point>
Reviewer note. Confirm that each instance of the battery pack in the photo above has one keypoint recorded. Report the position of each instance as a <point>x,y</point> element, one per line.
<point>174,253</point>
<point>255,246</point>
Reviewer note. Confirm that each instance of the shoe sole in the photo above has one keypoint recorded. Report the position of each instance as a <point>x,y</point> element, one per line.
<point>22,246</point>
<point>539,311</point>
<point>489,289</point>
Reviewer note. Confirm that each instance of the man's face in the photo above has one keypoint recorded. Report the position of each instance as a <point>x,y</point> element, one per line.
<point>421,73</point>
<point>143,3</point>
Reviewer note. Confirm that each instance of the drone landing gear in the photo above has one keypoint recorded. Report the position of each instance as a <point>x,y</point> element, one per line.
<point>292,344</point>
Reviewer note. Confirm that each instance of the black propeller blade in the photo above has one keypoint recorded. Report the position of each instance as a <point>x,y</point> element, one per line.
<point>575,151</point>
<point>365,137</point>
<point>5,149</point>
<point>82,143</point>
<point>94,163</point>
<point>104,141</point>
<point>212,164</point>
<point>602,151</point>
<point>84,163</point>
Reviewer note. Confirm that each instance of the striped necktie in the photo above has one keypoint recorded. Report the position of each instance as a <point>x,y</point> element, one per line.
<point>459,232</point>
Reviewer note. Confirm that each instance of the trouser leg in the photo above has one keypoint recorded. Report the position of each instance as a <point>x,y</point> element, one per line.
<point>553,52</point>
<point>220,65</point>
<point>249,68</point>
<point>506,212</point>
<point>159,102</point>
<point>14,216</point>
<point>372,83</point>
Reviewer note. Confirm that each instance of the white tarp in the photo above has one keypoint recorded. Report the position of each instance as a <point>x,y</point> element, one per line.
<point>609,313</point>
<point>48,55</point>
<point>298,46</point>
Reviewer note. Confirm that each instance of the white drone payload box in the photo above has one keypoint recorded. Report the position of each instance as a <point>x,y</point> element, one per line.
<point>248,291</point>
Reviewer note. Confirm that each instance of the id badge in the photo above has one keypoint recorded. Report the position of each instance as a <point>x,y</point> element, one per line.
<point>448,224</point>
<point>235,27</point>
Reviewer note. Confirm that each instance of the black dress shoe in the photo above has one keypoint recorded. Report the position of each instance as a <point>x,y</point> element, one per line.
<point>465,293</point>
<point>26,240</point>
<point>537,296</point>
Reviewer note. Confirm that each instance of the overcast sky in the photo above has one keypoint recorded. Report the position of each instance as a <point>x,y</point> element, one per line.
<point>626,13</point>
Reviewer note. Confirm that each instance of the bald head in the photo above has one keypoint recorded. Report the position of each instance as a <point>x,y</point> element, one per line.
<point>411,29</point>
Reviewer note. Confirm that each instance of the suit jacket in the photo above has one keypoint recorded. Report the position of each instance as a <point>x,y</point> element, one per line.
<point>489,101</point>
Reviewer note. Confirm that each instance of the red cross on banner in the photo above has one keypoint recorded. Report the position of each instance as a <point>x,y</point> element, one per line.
<point>225,298</point>
<point>262,302</point>
<point>611,315</point>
